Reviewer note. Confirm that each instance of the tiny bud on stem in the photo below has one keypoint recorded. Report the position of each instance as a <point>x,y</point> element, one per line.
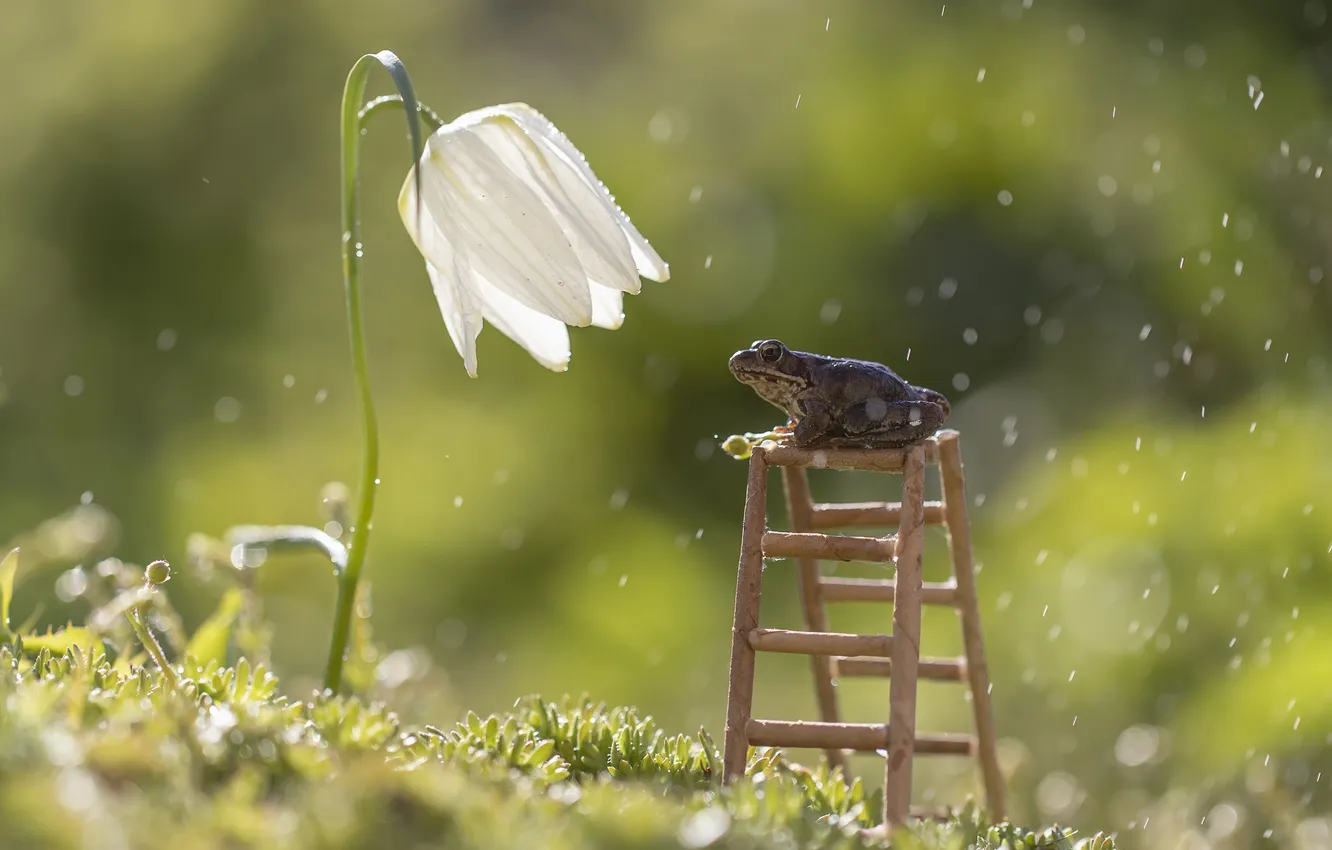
<point>158,572</point>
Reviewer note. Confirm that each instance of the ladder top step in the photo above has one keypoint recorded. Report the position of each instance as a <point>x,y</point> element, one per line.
<point>836,457</point>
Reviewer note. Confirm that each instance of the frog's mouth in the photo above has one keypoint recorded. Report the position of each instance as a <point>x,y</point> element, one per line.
<point>775,389</point>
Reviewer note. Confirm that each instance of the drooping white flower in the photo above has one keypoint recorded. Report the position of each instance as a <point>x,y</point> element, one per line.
<point>517,231</point>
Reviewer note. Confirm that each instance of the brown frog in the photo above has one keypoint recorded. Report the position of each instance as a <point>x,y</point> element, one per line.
<point>838,401</point>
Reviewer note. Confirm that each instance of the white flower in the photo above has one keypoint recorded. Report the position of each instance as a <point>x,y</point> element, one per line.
<point>517,230</point>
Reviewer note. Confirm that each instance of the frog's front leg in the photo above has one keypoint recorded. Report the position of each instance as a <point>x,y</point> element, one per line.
<point>816,419</point>
<point>893,423</point>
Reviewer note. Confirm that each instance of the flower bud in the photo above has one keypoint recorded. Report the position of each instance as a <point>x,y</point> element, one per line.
<point>158,572</point>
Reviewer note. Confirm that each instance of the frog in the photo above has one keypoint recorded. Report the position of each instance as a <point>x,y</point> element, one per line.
<point>838,401</point>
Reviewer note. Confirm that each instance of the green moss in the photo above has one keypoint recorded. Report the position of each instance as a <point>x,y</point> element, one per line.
<point>94,749</point>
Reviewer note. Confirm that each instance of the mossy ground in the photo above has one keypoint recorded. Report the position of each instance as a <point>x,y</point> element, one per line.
<point>98,754</point>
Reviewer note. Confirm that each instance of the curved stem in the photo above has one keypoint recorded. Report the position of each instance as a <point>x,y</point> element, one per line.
<point>431,116</point>
<point>352,96</point>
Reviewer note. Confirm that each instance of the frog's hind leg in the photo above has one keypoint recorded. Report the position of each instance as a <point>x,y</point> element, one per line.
<point>892,423</point>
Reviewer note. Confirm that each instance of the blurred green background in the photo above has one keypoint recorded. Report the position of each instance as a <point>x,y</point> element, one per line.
<point>1101,228</point>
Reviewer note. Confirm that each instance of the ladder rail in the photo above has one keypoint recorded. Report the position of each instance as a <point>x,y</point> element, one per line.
<point>748,595</point>
<point>901,733</point>
<point>953,485</point>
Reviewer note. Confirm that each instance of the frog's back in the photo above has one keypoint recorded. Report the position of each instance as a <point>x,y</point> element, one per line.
<point>851,381</point>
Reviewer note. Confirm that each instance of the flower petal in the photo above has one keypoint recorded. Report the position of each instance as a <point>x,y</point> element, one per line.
<point>546,339</point>
<point>650,265</point>
<point>448,270</point>
<point>607,307</point>
<point>505,230</point>
<point>592,231</point>
<point>462,313</point>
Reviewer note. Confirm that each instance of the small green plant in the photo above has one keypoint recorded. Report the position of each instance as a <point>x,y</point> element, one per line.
<point>223,758</point>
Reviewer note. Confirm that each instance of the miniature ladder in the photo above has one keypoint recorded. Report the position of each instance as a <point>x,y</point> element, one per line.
<point>834,654</point>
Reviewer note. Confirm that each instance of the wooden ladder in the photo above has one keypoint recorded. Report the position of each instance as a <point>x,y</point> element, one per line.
<point>836,654</point>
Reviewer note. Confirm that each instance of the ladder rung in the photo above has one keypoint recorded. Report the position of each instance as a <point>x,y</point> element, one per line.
<point>883,590</point>
<point>792,544</point>
<point>863,737</point>
<point>940,669</point>
<point>837,457</point>
<point>820,643</point>
<point>870,514</point>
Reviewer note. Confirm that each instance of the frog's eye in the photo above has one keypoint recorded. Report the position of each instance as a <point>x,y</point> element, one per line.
<point>770,352</point>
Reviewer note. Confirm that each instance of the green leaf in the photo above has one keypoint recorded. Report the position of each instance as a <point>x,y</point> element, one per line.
<point>61,640</point>
<point>8,567</point>
<point>209,642</point>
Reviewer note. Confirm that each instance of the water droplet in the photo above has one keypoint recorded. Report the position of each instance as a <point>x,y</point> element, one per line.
<point>830,311</point>
<point>71,584</point>
<point>1052,331</point>
<point>227,409</point>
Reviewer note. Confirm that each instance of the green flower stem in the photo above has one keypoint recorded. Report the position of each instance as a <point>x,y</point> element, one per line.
<point>154,648</point>
<point>353,96</point>
<point>431,116</point>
